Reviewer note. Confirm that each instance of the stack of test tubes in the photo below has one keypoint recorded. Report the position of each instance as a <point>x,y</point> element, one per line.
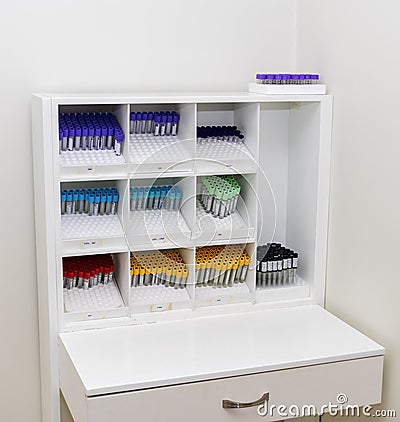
<point>221,266</point>
<point>276,266</point>
<point>210,134</point>
<point>219,195</point>
<point>287,78</point>
<point>84,272</point>
<point>90,131</point>
<point>154,123</point>
<point>89,201</point>
<point>164,268</point>
<point>156,197</point>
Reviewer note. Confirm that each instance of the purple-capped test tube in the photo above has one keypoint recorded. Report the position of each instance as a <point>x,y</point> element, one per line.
<point>71,136</point>
<point>168,126</point>
<point>103,137</point>
<point>90,143</point>
<point>314,78</point>
<point>138,122</point>
<point>110,136</point>
<point>163,124</point>
<point>118,143</point>
<point>157,124</point>
<point>149,124</point>
<point>278,78</point>
<point>144,122</point>
<point>84,138</point>
<point>78,135</point>
<point>175,120</point>
<point>60,139</point>
<point>97,135</point>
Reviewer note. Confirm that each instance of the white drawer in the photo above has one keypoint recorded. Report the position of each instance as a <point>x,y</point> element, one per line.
<point>184,369</point>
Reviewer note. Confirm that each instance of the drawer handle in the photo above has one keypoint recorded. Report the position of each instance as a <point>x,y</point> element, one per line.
<point>229,404</point>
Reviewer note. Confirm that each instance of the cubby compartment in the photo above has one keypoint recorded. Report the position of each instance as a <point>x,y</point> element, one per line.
<point>91,216</point>
<point>162,138</point>
<point>160,212</point>
<point>289,188</point>
<point>219,154</point>
<point>94,144</point>
<point>95,286</point>
<point>223,215</point>
<point>162,280</point>
<point>224,274</point>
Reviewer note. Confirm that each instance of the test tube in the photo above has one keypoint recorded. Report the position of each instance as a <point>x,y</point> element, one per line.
<point>157,124</point>
<point>163,124</point>
<point>144,123</point>
<point>169,124</point>
<point>245,269</point>
<point>71,136</point>
<point>109,202</point>
<point>138,122</point>
<point>132,123</point>
<point>63,196</point>
<point>114,203</point>
<point>178,199</point>
<point>174,127</point>
<point>81,203</point>
<point>103,200</point>
<point>68,205</point>
<point>90,144</point>
<point>110,136</point>
<point>118,140</point>
<point>91,204</point>
<point>149,123</point>
<point>157,196</point>
<point>134,198</point>
<point>96,205</point>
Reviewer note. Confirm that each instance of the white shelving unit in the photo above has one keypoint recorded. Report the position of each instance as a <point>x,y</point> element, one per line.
<point>206,334</point>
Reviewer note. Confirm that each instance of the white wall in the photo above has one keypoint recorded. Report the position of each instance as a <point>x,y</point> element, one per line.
<point>104,46</point>
<point>354,45</point>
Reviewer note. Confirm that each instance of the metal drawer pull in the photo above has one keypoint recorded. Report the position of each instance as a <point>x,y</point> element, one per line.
<point>229,404</point>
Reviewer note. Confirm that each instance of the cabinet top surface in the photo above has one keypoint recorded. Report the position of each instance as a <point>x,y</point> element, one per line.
<point>151,355</point>
<point>174,97</point>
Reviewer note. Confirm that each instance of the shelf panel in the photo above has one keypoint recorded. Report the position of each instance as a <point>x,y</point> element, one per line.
<point>299,290</point>
<point>210,229</point>
<point>82,165</point>
<point>209,295</point>
<point>152,229</point>
<point>222,157</point>
<point>82,234</point>
<point>159,298</point>
<point>158,154</point>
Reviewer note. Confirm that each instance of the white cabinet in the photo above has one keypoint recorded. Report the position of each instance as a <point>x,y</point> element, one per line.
<point>121,350</point>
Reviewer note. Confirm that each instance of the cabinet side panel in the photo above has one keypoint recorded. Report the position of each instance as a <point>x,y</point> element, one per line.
<point>45,255</point>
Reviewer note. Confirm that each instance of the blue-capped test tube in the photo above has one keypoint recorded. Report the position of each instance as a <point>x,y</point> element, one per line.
<point>150,201</point>
<point>140,201</point>
<point>68,205</point>
<point>60,139</point>
<point>63,195</point>
<point>157,197</point>
<point>171,199</point>
<point>114,203</point>
<point>75,199</point>
<point>81,203</point>
<point>134,198</point>
<point>178,199</point>
<point>97,198</point>
<point>162,196</point>
<point>175,120</point>
<point>157,124</point>
<point>103,200</point>
<point>91,204</point>
<point>109,201</point>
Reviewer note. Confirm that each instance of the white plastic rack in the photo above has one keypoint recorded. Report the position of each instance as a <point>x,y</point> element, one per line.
<point>283,171</point>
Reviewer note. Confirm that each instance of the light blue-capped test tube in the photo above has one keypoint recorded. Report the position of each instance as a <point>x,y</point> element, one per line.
<point>134,198</point>
<point>140,201</point>
<point>97,198</point>
<point>103,200</point>
<point>81,202</point>
<point>150,201</point>
<point>109,201</point>
<point>164,191</point>
<point>75,199</point>
<point>178,199</point>
<point>157,197</point>
<point>63,195</point>
<point>114,203</point>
